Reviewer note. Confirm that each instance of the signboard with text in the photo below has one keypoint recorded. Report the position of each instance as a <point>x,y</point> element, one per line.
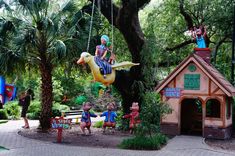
<point>172,92</point>
<point>60,123</point>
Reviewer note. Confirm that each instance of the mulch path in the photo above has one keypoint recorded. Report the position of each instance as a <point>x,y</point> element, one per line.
<point>223,144</point>
<point>74,136</point>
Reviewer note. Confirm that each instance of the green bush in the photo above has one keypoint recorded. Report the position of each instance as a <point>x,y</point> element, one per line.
<point>3,114</point>
<point>147,134</point>
<point>57,108</point>
<point>13,109</point>
<point>33,116</point>
<point>144,143</point>
<point>80,99</point>
<point>98,124</point>
<point>151,112</point>
<point>34,110</point>
<point>120,123</point>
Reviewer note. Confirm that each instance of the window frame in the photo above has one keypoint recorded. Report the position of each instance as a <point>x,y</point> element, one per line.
<point>220,109</point>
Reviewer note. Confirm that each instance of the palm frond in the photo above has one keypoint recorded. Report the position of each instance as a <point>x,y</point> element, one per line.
<point>11,62</point>
<point>4,5</point>
<point>57,51</point>
<point>70,7</point>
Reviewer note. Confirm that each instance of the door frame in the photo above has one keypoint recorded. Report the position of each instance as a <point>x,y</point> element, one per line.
<point>203,111</point>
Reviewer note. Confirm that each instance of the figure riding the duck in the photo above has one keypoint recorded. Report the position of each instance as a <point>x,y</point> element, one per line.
<point>102,71</point>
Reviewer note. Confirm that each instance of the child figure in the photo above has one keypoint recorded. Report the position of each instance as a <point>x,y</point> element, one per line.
<point>110,116</point>
<point>199,36</point>
<point>101,50</point>
<point>110,55</point>
<point>100,59</point>
<point>86,118</point>
<point>134,116</point>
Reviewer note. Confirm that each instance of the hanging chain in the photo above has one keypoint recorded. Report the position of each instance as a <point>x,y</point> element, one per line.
<point>90,29</point>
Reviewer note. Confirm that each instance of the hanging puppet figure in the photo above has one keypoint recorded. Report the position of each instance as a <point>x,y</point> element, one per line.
<point>199,35</point>
<point>110,54</point>
<point>100,59</point>
<point>86,118</point>
<point>110,116</point>
<point>134,116</point>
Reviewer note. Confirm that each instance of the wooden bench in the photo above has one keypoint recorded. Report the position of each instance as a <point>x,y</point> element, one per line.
<point>73,114</point>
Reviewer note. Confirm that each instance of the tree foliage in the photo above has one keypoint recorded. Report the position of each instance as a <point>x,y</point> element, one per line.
<point>40,34</point>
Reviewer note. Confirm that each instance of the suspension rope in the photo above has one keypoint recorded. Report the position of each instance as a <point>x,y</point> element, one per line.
<point>90,29</point>
<point>112,22</point>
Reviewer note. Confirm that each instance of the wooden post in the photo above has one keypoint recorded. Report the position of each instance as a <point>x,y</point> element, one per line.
<point>59,136</point>
<point>60,124</point>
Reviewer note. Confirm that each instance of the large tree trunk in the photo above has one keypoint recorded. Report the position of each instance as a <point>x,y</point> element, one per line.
<point>126,20</point>
<point>46,95</point>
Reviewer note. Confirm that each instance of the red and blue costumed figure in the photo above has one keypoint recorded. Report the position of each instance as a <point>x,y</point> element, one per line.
<point>86,118</point>
<point>133,116</point>
<point>199,35</point>
<point>110,116</point>
<point>100,59</point>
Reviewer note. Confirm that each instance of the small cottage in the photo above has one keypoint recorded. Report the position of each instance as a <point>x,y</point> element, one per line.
<point>200,98</point>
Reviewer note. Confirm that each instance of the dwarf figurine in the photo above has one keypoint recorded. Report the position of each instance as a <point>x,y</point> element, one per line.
<point>134,116</point>
<point>86,118</point>
<point>110,116</point>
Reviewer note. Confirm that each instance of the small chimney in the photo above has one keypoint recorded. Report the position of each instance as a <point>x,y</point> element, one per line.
<point>204,53</point>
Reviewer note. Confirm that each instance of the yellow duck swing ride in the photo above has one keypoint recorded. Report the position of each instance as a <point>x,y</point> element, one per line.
<point>101,70</point>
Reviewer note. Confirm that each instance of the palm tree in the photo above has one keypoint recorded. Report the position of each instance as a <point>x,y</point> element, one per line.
<point>37,34</point>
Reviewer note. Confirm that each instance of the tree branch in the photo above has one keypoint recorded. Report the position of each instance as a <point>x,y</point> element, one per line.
<point>142,3</point>
<point>105,8</point>
<point>187,17</point>
<point>218,44</point>
<point>180,45</point>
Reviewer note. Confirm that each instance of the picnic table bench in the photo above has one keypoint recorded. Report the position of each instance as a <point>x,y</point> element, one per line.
<point>73,114</point>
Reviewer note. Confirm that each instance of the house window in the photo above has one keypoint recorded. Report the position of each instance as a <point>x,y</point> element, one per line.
<point>229,101</point>
<point>192,81</point>
<point>213,108</point>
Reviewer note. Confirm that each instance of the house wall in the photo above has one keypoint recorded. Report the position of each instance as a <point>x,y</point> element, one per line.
<point>208,90</point>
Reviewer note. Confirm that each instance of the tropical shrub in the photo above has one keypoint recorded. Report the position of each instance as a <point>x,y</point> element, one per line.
<point>98,124</point>
<point>57,108</point>
<point>13,109</point>
<point>3,114</point>
<point>144,143</point>
<point>147,133</point>
<point>151,112</point>
<point>34,110</point>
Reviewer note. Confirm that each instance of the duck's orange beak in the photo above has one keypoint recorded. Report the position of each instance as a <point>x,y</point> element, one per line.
<point>81,61</point>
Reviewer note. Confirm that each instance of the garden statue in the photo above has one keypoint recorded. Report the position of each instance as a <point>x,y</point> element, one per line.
<point>110,54</point>
<point>101,58</point>
<point>86,118</point>
<point>110,116</point>
<point>134,116</point>
<point>199,35</point>
<point>109,79</point>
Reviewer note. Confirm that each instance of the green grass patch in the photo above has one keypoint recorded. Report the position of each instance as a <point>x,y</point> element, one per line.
<point>3,148</point>
<point>3,121</point>
<point>144,142</point>
<point>98,124</point>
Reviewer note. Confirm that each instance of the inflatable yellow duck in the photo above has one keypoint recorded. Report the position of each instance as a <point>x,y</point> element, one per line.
<point>110,78</point>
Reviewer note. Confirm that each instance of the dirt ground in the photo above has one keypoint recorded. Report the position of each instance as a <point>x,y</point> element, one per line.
<point>223,144</point>
<point>74,136</point>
